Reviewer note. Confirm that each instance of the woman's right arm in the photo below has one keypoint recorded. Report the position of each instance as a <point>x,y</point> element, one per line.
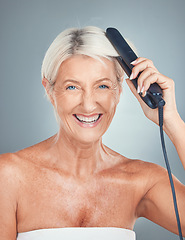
<point>8,198</point>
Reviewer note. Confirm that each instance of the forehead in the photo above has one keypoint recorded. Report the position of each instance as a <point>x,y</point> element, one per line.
<point>85,66</point>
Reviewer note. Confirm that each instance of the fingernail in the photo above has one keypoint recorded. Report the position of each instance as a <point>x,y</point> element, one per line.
<point>138,89</point>
<point>131,76</point>
<point>142,89</point>
<point>133,62</point>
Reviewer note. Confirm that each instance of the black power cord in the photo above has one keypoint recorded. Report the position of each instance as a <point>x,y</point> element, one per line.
<point>153,98</point>
<point>160,111</point>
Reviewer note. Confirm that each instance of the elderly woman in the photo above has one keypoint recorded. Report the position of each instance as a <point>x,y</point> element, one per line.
<point>71,186</point>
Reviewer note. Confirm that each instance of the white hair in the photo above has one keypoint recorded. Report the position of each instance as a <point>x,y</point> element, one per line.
<point>90,41</point>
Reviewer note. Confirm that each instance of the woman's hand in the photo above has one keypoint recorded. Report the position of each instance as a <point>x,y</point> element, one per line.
<point>148,76</point>
<point>173,125</point>
<point>155,205</point>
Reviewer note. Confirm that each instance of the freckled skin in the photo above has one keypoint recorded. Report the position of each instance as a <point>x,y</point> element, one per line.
<point>72,179</point>
<point>51,197</point>
<point>86,75</point>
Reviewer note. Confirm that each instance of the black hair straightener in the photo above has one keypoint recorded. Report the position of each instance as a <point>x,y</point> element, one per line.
<point>153,98</point>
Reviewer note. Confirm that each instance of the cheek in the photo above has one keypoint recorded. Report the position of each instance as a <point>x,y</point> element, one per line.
<point>110,100</point>
<point>65,102</point>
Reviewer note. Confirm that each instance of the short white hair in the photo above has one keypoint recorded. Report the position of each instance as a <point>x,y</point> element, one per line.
<point>90,41</point>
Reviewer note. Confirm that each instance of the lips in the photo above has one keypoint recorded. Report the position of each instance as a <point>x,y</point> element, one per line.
<point>87,119</point>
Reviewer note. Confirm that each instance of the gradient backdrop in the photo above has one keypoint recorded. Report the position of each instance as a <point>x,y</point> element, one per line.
<point>27,28</point>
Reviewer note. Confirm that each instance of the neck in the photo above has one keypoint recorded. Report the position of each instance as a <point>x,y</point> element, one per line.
<point>77,158</point>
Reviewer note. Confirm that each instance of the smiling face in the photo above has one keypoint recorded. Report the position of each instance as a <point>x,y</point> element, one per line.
<point>85,96</point>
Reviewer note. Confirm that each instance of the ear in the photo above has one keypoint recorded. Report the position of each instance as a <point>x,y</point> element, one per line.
<point>46,85</point>
<point>45,82</point>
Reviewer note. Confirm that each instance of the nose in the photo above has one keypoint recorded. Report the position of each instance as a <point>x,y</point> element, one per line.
<point>88,101</point>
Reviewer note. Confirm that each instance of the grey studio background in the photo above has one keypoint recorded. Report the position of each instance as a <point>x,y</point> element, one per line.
<point>27,28</point>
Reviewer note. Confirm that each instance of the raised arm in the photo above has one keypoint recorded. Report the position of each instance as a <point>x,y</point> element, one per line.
<point>157,204</point>
<point>173,124</point>
<point>8,199</point>
<point>176,132</point>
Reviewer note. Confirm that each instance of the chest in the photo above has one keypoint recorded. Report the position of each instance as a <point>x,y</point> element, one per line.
<point>61,201</point>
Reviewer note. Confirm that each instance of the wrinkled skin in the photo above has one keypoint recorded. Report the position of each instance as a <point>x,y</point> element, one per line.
<point>72,179</point>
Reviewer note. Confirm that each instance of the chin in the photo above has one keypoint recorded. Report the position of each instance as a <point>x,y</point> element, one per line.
<point>86,133</point>
<point>88,138</point>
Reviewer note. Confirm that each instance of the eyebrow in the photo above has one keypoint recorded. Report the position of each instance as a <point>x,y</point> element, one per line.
<point>70,80</point>
<point>104,79</point>
<point>75,81</point>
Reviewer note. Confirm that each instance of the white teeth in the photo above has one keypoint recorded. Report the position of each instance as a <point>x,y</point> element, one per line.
<point>87,119</point>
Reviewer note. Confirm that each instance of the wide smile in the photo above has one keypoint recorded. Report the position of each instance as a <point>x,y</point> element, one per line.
<point>88,121</point>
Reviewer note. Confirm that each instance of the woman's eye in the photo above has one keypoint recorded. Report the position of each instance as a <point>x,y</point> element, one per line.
<point>71,88</point>
<point>103,86</point>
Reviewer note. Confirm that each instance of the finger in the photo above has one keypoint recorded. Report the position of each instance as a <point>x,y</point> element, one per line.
<point>141,66</point>
<point>152,78</point>
<point>138,60</point>
<point>144,75</point>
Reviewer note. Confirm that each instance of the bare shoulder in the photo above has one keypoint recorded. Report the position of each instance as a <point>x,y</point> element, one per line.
<point>10,187</point>
<point>144,173</point>
<point>149,171</point>
<point>9,190</point>
<point>144,166</point>
<point>8,164</point>
<point>140,165</point>
<point>138,169</point>
<point>13,164</point>
<point>9,171</point>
